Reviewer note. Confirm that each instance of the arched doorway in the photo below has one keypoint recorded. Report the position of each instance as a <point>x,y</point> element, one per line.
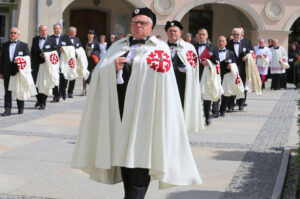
<point>85,19</point>
<point>225,15</point>
<point>215,18</point>
<point>295,32</point>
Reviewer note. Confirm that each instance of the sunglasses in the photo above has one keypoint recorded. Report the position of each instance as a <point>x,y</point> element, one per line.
<point>142,23</point>
<point>235,34</point>
<point>13,32</point>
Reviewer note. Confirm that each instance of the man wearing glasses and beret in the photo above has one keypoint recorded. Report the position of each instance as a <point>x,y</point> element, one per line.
<point>133,126</point>
<point>8,67</point>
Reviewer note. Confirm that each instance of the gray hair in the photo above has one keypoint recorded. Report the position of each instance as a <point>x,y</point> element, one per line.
<point>42,26</point>
<point>188,35</point>
<point>261,39</point>
<point>237,29</point>
<point>17,29</point>
<point>72,29</point>
<point>57,24</point>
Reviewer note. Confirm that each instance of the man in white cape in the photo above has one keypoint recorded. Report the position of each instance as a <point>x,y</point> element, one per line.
<point>147,138</point>
<point>186,68</point>
<point>279,57</point>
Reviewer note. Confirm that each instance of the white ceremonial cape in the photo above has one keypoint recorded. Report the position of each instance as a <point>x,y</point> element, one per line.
<point>68,63</point>
<point>152,133</point>
<point>284,62</point>
<point>82,64</point>
<point>253,81</point>
<point>21,85</point>
<point>232,83</point>
<point>264,60</point>
<point>193,112</point>
<point>48,75</point>
<point>210,84</point>
<point>276,65</point>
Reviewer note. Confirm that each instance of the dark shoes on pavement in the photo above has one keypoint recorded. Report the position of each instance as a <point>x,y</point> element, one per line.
<point>42,107</point>
<point>55,99</point>
<point>215,115</point>
<point>6,113</point>
<point>207,121</point>
<point>20,111</point>
<point>70,95</point>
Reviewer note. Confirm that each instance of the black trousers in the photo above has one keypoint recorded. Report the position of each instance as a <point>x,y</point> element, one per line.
<point>207,108</point>
<point>71,86</point>
<point>40,97</point>
<point>61,90</point>
<point>136,182</point>
<point>225,101</point>
<point>215,107</point>
<point>8,97</point>
<point>278,81</point>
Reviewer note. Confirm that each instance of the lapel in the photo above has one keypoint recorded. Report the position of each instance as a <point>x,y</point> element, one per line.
<point>16,49</point>
<point>46,42</point>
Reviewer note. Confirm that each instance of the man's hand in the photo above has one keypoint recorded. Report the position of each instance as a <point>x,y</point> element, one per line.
<point>228,66</point>
<point>42,55</point>
<point>119,63</point>
<point>244,58</point>
<point>89,53</point>
<point>204,62</point>
<point>1,76</point>
<point>61,50</point>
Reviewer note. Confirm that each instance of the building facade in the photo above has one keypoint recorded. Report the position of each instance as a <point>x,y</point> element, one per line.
<point>260,18</point>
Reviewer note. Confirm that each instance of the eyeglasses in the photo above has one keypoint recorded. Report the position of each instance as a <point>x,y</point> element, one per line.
<point>13,32</point>
<point>235,34</point>
<point>142,23</point>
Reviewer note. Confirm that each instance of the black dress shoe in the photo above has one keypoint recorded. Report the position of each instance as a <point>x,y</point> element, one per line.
<point>215,115</point>
<point>208,121</point>
<point>63,96</point>
<point>230,110</point>
<point>55,100</point>
<point>70,95</point>
<point>222,114</point>
<point>20,111</point>
<point>245,105</point>
<point>6,113</point>
<point>37,104</point>
<point>42,107</point>
<point>241,108</point>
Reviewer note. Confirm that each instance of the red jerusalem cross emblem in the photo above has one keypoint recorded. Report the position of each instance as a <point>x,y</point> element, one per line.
<point>218,68</point>
<point>53,58</point>
<point>159,61</point>
<point>191,58</point>
<point>21,63</point>
<point>238,79</point>
<point>254,56</point>
<point>72,63</point>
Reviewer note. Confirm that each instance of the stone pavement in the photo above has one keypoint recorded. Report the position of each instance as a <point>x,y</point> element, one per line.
<point>238,156</point>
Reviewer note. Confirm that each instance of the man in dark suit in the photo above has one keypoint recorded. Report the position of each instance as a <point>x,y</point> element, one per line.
<point>61,40</point>
<point>248,41</point>
<point>8,67</point>
<point>40,44</point>
<point>92,50</point>
<point>77,44</point>
<point>202,46</point>
<point>240,47</point>
<point>226,58</point>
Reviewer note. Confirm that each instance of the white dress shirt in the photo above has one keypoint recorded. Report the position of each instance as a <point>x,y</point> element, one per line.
<point>42,42</point>
<point>12,48</point>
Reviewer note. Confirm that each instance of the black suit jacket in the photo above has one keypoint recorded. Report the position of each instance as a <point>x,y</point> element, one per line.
<point>64,40</point>
<point>76,42</point>
<point>94,47</point>
<point>7,67</point>
<point>36,59</point>
<point>229,59</point>
<point>214,57</point>
<point>243,50</point>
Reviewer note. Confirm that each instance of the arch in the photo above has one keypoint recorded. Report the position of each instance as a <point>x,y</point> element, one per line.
<point>252,15</point>
<point>291,21</point>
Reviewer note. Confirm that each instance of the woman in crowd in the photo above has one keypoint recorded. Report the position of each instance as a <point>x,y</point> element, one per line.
<point>291,73</point>
<point>103,46</point>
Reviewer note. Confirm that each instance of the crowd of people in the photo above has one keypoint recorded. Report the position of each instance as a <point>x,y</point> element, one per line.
<point>161,90</point>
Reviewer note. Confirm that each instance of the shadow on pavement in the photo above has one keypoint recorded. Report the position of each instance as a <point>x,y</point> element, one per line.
<point>195,195</point>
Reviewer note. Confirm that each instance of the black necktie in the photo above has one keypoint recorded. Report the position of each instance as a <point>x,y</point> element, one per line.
<point>221,51</point>
<point>134,42</point>
<point>43,38</point>
<point>172,44</point>
<point>261,47</point>
<point>236,42</point>
<point>276,48</point>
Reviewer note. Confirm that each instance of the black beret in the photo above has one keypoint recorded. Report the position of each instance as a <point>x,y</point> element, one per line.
<point>145,11</point>
<point>91,31</point>
<point>173,23</point>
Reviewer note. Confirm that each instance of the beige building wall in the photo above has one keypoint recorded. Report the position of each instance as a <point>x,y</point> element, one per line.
<point>250,14</point>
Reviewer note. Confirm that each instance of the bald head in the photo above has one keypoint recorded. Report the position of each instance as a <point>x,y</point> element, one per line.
<point>222,42</point>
